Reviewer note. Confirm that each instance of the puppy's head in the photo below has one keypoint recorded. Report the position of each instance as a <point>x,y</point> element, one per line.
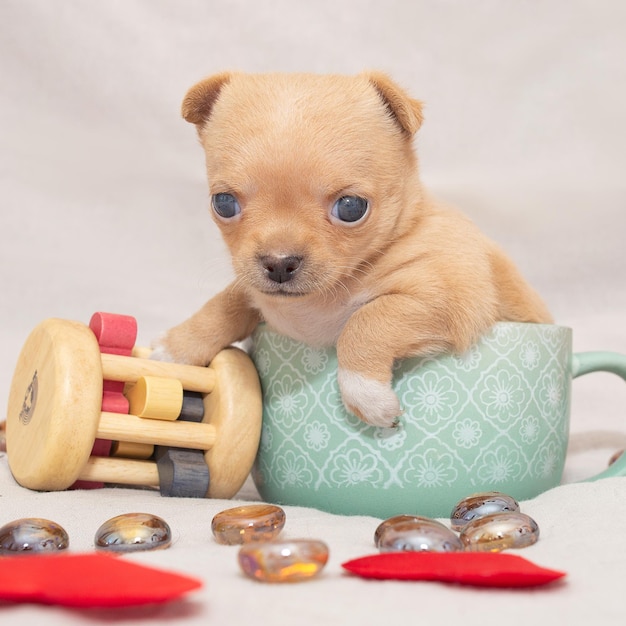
<point>312,178</point>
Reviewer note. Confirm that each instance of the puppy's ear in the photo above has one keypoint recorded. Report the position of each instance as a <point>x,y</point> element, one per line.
<point>201,97</point>
<point>406,110</point>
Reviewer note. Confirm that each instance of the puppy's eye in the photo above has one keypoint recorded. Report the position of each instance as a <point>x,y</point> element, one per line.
<point>350,209</point>
<point>225,205</point>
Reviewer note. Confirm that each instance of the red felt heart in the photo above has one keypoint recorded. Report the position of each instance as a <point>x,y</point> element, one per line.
<point>484,569</point>
<point>88,580</point>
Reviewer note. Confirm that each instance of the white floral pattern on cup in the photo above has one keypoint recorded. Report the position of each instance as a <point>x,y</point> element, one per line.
<point>548,460</point>
<point>263,362</point>
<point>289,399</point>
<point>292,470</point>
<point>467,433</point>
<point>431,469</point>
<point>529,429</point>
<point>500,465</point>
<point>316,435</point>
<point>314,360</point>
<point>551,394</point>
<point>503,395</point>
<point>529,355</point>
<point>353,467</point>
<point>433,397</point>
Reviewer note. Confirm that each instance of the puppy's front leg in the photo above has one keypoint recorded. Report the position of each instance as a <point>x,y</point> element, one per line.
<point>224,319</point>
<point>388,328</point>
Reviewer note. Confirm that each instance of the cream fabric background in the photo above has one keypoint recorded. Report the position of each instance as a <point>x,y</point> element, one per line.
<point>104,207</point>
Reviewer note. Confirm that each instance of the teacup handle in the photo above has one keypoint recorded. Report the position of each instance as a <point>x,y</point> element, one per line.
<point>615,363</point>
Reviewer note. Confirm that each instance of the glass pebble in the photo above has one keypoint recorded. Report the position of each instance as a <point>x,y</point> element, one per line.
<point>32,534</point>
<point>479,505</point>
<point>499,531</point>
<point>245,524</point>
<point>283,562</point>
<point>132,532</point>
<point>413,533</point>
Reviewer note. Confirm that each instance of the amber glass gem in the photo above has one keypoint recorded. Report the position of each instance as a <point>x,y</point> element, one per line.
<point>499,531</point>
<point>283,561</point>
<point>245,524</point>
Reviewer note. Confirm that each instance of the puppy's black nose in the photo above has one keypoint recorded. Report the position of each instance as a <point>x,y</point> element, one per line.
<point>281,269</point>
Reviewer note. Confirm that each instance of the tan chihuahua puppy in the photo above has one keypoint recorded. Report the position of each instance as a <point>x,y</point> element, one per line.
<point>316,190</point>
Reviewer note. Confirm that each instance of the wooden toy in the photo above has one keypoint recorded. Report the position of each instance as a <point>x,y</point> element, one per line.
<point>67,373</point>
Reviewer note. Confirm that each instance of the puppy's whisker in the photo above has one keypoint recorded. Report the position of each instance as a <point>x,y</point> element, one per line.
<point>238,285</point>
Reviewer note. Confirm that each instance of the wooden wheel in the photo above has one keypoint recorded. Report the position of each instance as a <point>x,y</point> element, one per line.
<point>234,407</point>
<point>54,405</point>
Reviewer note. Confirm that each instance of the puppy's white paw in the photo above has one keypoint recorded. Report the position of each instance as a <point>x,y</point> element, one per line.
<point>159,351</point>
<point>370,400</point>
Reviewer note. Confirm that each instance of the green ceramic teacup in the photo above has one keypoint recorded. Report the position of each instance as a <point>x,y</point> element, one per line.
<point>495,418</point>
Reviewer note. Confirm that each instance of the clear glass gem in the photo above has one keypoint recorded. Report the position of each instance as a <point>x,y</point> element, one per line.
<point>283,561</point>
<point>32,534</point>
<point>479,505</point>
<point>245,524</point>
<point>414,533</point>
<point>132,532</point>
<point>390,521</point>
<point>499,531</point>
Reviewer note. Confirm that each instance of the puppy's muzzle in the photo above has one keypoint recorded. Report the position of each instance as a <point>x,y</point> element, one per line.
<point>280,269</point>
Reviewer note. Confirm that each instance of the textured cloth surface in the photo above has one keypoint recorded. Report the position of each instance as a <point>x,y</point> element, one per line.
<point>104,207</point>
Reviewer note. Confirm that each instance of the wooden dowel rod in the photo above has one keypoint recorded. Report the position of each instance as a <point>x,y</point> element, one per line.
<point>120,427</point>
<point>130,369</point>
<point>128,450</point>
<point>141,352</point>
<point>123,471</point>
